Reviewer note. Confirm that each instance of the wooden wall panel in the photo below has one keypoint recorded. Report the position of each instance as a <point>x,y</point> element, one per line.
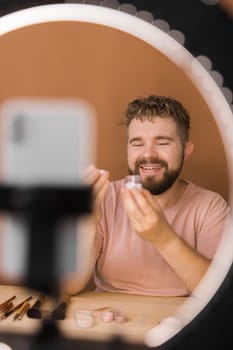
<point>108,68</point>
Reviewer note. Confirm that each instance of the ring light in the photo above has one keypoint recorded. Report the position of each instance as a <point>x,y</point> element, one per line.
<point>208,89</point>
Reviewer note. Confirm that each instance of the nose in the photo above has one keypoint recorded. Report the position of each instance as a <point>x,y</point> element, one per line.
<point>149,150</point>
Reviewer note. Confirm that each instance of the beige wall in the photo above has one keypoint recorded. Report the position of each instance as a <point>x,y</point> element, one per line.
<point>108,68</point>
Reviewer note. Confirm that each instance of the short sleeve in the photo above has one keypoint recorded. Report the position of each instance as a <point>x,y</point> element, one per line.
<point>212,228</point>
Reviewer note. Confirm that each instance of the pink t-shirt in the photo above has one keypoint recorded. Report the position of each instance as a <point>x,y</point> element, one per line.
<point>128,264</point>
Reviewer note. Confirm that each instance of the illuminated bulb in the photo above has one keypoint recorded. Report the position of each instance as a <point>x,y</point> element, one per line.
<point>178,36</point>
<point>218,78</point>
<point>114,4</point>
<point>75,1</point>
<point>145,15</point>
<point>128,8</point>
<point>196,69</point>
<point>207,83</point>
<point>92,2</point>
<point>161,24</point>
<point>205,61</point>
<point>227,93</point>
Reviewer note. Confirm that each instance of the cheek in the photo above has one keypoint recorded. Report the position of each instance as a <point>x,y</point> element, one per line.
<point>131,157</point>
<point>171,157</point>
<point>176,158</point>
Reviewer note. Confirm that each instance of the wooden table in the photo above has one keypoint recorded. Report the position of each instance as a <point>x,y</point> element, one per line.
<point>143,312</point>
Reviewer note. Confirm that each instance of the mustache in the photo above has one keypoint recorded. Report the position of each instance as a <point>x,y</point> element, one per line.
<point>151,160</point>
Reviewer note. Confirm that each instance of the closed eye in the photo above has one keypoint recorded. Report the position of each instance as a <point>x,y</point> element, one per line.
<point>163,143</point>
<point>137,144</point>
<point>164,140</point>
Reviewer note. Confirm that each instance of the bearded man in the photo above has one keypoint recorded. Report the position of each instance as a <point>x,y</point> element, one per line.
<point>159,240</point>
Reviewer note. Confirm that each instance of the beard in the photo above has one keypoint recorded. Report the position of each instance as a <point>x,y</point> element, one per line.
<point>156,187</point>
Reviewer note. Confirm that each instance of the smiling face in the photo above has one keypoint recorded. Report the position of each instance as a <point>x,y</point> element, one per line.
<point>155,152</point>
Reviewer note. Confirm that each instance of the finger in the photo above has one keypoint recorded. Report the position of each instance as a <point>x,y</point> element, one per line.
<point>142,201</point>
<point>100,182</point>
<point>91,175</point>
<point>148,202</point>
<point>130,204</point>
<point>89,169</point>
<point>99,195</point>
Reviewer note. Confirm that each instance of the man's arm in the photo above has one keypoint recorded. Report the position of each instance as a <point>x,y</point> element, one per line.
<point>149,222</point>
<point>188,264</point>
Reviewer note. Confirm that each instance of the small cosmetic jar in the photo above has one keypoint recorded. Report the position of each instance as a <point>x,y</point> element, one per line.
<point>133,181</point>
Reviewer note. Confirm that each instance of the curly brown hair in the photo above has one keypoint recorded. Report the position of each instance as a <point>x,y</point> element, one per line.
<point>147,108</point>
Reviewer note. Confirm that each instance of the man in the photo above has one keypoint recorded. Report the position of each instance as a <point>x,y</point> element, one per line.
<point>160,240</point>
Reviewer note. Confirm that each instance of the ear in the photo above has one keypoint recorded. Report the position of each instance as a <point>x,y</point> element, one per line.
<point>188,149</point>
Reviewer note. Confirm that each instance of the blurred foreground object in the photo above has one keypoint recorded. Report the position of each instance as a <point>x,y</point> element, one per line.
<point>46,146</point>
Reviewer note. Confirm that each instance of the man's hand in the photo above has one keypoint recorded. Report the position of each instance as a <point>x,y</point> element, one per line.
<point>150,224</point>
<point>145,214</point>
<point>99,180</point>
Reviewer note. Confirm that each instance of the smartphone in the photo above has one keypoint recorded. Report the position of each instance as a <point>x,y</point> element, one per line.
<point>43,142</point>
<point>46,141</point>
